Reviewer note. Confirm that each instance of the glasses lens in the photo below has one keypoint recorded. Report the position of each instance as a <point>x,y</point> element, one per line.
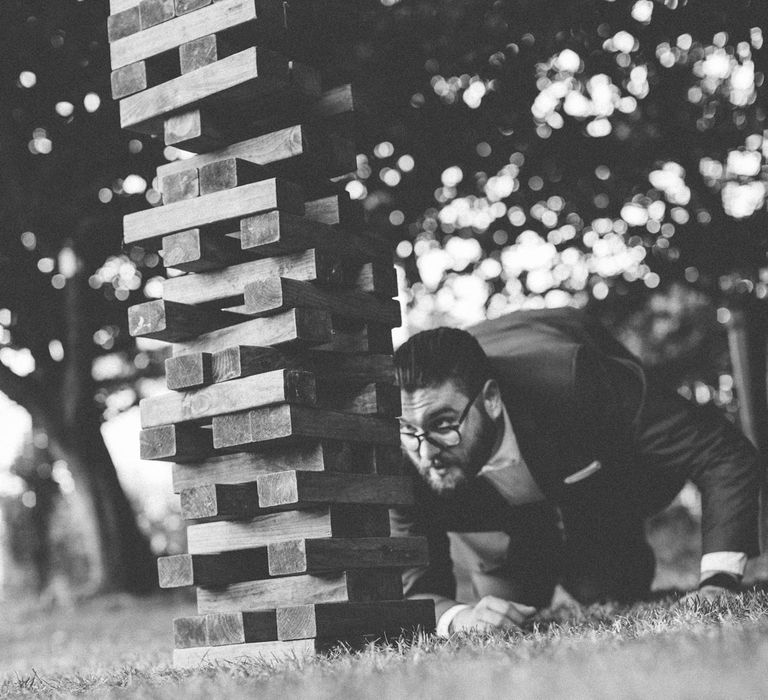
<point>409,441</point>
<point>446,438</point>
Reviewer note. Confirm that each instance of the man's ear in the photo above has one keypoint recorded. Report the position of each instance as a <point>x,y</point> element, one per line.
<point>492,399</point>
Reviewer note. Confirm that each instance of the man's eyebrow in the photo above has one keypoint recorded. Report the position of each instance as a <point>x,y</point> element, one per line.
<point>431,417</point>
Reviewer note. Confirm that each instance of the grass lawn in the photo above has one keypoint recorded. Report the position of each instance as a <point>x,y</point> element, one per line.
<point>120,647</point>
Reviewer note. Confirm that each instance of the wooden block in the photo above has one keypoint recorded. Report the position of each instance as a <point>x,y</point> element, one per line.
<point>292,490</point>
<point>294,150</point>
<point>228,173</point>
<point>173,322</point>
<point>240,627</point>
<point>270,295</point>
<point>189,632</point>
<point>116,6</point>
<point>287,423</point>
<point>214,570</point>
<point>374,277</point>
<point>257,651</point>
<point>184,184</point>
<point>156,40</point>
<point>200,250</point>
<point>178,443</point>
<point>232,501</point>
<point>194,129</point>
<point>242,81</point>
<point>279,386</point>
<point>217,208</point>
<point>154,12</point>
<point>299,327</point>
<point>129,79</point>
<point>189,371</point>
<point>340,520</point>
<point>184,6</point>
<point>348,586</point>
<point>336,210</point>
<point>227,286</point>
<point>309,455</point>
<point>370,399</point>
<point>353,368</point>
<point>342,619</point>
<point>278,233</point>
<point>201,52</point>
<point>123,24</point>
<point>337,554</point>
<point>299,489</point>
<point>373,337</point>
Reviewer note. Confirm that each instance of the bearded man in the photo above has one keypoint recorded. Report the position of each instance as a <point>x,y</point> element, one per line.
<point>542,447</point>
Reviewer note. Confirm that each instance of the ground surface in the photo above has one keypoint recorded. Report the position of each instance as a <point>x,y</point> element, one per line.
<point>118,646</point>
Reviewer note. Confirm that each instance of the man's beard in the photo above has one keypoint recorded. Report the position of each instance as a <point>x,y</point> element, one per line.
<point>447,483</point>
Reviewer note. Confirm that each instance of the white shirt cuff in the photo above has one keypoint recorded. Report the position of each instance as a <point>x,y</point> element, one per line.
<point>443,628</point>
<point>726,562</point>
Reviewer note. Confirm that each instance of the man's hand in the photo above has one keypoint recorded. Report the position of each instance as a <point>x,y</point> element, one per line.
<point>492,613</point>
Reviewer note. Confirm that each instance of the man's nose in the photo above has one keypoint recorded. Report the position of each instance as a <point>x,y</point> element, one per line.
<point>428,451</point>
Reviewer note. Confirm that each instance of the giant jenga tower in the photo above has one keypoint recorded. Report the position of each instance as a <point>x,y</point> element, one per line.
<point>279,414</point>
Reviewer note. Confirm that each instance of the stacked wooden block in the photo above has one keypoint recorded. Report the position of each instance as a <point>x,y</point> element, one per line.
<point>279,414</point>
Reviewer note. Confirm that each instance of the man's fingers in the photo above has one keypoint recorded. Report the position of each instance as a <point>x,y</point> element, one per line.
<point>517,613</point>
<point>495,620</point>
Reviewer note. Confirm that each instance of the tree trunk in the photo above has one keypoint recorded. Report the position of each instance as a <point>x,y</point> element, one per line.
<point>748,345</point>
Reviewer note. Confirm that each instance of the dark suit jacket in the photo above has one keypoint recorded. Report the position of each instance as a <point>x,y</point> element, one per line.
<point>575,395</point>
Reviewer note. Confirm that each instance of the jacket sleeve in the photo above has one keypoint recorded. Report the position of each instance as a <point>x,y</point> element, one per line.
<point>436,580</point>
<point>718,459</point>
<point>674,437</point>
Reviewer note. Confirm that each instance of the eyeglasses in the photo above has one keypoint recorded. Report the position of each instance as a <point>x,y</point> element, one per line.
<point>446,436</point>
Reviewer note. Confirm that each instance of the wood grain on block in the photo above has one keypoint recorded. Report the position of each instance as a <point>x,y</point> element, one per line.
<point>287,422</point>
<point>334,210</point>
<point>279,386</point>
<point>249,81</point>
<point>298,489</point>
<point>139,76</point>
<point>256,651</point>
<point>189,632</point>
<point>240,627</point>
<point>341,619</point>
<point>277,233</point>
<point>308,455</point>
<point>123,23</point>
<point>235,501</point>
<point>157,40</point>
<point>189,371</point>
<point>184,6</point>
<point>299,327</point>
<point>270,295</point>
<point>174,322</point>
<point>347,586</point>
<point>154,12</point>
<point>293,150</point>
<point>200,250</point>
<point>353,368</point>
<point>184,184</point>
<point>213,570</point>
<point>338,554</point>
<point>195,129</point>
<point>340,520</point>
<point>370,399</point>
<point>216,208</point>
<point>180,443</point>
<point>227,173</point>
<point>227,286</point>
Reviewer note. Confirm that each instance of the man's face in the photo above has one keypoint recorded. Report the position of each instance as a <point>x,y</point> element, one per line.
<point>446,469</point>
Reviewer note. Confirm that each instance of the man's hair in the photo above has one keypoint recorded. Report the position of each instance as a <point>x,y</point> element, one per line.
<point>435,356</point>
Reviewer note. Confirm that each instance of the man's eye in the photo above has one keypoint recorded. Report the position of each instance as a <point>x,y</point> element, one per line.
<point>443,428</point>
